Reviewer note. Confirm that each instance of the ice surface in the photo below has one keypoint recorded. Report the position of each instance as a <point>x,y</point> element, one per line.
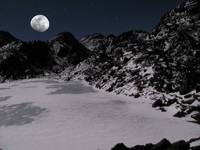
<point>70,115</point>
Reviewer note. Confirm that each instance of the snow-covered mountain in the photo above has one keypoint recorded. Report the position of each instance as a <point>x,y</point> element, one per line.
<point>163,64</point>
<point>20,59</point>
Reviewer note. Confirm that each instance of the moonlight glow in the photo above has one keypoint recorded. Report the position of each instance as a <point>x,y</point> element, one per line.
<point>40,23</point>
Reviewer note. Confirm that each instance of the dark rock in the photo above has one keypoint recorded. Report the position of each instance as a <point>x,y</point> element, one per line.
<point>143,147</point>
<point>190,101</point>
<point>138,147</point>
<point>162,109</point>
<point>196,97</point>
<point>158,103</point>
<point>171,101</point>
<point>180,114</point>
<point>195,148</point>
<point>120,146</point>
<point>188,96</point>
<point>149,146</point>
<point>180,145</point>
<point>195,108</point>
<point>162,145</point>
<point>196,117</point>
<point>136,95</point>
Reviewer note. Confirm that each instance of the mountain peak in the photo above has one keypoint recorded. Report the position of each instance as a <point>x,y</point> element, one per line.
<point>66,46</point>
<point>189,5</point>
<point>6,37</point>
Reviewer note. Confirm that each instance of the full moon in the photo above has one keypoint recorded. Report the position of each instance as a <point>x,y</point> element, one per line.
<point>40,23</point>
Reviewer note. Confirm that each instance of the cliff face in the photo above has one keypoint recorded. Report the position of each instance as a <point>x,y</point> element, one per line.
<point>66,47</point>
<point>176,37</point>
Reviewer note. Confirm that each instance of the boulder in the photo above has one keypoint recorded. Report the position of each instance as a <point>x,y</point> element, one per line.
<point>162,109</point>
<point>120,146</point>
<point>195,147</point>
<point>196,117</point>
<point>180,145</point>
<point>171,101</point>
<point>143,147</point>
<point>149,146</point>
<point>158,103</point>
<point>190,101</point>
<point>138,147</point>
<point>188,96</point>
<point>162,145</point>
<point>180,114</point>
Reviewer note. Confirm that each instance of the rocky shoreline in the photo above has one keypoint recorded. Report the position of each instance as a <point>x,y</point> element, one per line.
<point>162,145</point>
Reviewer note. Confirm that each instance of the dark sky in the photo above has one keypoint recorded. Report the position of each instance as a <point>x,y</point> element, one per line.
<point>81,17</point>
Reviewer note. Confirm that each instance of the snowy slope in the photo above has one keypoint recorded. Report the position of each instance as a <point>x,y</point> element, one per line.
<point>69,115</point>
<point>163,64</point>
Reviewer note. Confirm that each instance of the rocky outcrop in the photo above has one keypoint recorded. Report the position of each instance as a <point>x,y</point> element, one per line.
<point>67,48</point>
<point>162,145</point>
<point>97,42</point>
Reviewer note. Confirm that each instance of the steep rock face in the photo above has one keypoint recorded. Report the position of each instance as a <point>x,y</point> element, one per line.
<point>97,42</point>
<point>176,38</point>
<point>66,47</point>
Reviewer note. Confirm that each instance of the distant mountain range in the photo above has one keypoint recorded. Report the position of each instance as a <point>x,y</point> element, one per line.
<point>20,59</point>
<point>163,65</point>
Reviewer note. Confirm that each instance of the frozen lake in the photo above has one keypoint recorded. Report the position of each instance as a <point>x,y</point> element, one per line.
<point>44,114</point>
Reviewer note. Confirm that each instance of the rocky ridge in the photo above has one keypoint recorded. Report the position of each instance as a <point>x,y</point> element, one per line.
<point>19,59</point>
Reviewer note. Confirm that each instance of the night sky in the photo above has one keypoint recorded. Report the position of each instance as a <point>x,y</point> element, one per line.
<point>81,17</point>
